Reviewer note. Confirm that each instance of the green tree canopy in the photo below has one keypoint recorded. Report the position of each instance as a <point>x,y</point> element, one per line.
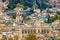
<point>58,13</point>
<point>52,19</point>
<point>14,16</point>
<point>12,4</point>
<point>57,17</point>
<point>28,18</point>
<point>21,5</point>
<point>45,0</point>
<point>46,21</point>
<point>3,0</point>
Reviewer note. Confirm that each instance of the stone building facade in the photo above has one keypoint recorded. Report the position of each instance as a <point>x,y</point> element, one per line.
<point>19,33</point>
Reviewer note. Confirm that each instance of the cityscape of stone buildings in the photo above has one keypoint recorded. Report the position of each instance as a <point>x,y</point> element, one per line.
<point>18,29</point>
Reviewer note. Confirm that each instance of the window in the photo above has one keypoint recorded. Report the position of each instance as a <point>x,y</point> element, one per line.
<point>22,36</point>
<point>42,31</point>
<point>34,30</point>
<point>38,31</point>
<point>29,30</point>
<point>47,31</point>
<point>23,31</point>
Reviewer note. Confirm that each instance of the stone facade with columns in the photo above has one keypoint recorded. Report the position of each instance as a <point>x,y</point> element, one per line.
<point>19,33</point>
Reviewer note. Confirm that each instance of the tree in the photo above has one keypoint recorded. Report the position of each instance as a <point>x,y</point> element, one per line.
<point>28,18</point>
<point>49,11</point>
<point>31,12</point>
<point>29,3</point>
<point>12,1</point>
<point>45,0</point>
<point>20,5</point>
<point>12,4</point>
<point>58,13</point>
<point>14,16</point>
<point>3,0</point>
<point>50,20</point>
<point>41,5</point>
<point>31,36</point>
<point>46,21</point>
<point>57,17</point>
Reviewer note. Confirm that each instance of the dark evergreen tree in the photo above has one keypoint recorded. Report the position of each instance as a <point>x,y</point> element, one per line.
<point>3,0</point>
<point>12,4</point>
